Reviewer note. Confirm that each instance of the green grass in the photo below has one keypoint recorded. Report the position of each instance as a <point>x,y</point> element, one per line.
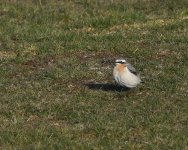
<point>51,51</point>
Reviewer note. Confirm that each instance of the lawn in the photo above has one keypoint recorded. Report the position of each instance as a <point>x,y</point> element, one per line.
<point>56,85</point>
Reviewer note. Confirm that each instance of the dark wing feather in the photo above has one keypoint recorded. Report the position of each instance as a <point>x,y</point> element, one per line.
<point>131,69</point>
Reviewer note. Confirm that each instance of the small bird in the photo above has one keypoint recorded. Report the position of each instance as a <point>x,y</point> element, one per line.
<point>125,74</point>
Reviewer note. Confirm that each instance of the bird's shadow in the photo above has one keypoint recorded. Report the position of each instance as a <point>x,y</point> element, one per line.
<point>106,87</point>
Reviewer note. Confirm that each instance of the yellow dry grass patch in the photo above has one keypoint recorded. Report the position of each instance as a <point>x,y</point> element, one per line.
<point>152,23</point>
<point>130,27</point>
<point>7,55</point>
<point>29,51</point>
<point>148,24</point>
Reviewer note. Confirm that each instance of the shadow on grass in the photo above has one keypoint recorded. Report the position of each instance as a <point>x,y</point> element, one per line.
<point>106,87</point>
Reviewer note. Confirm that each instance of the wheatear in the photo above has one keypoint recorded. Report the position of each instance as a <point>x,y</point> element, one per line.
<point>125,74</point>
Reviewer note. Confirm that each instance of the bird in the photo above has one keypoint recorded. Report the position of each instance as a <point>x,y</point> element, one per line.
<point>125,74</point>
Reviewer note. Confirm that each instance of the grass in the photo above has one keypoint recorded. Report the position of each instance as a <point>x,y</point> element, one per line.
<point>51,51</point>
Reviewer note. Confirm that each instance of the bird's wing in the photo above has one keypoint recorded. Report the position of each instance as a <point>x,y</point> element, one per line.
<point>131,69</point>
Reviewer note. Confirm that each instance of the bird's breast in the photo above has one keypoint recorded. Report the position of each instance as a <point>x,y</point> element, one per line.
<point>120,68</point>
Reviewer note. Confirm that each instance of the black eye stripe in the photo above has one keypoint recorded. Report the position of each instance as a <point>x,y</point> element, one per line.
<point>121,62</point>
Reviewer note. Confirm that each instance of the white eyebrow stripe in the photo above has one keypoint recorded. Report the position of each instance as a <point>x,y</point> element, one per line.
<point>120,60</point>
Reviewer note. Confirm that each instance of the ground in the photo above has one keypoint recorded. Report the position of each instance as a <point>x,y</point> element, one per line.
<point>56,84</point>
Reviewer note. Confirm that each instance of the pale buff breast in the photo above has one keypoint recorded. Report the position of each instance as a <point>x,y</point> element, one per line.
<point>120,68</point>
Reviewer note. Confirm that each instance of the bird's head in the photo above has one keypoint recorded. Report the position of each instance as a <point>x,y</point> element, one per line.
<point>120,61</point>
